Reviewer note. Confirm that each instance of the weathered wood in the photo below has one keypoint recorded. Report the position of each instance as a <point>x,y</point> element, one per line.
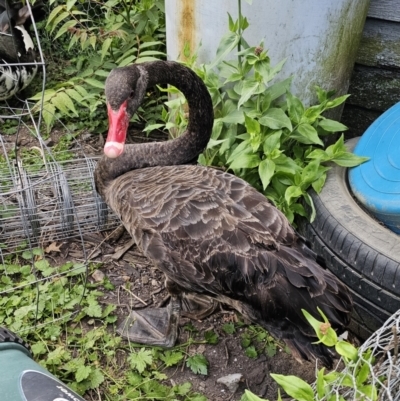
<point>373,91</point>
<point>380,44</point>
<point>385,9</point>
<point>374,88</point>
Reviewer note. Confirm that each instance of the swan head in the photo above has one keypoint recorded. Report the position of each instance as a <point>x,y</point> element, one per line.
<point>125,89</point>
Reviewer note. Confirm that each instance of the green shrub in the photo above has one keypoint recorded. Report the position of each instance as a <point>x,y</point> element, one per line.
<point>262,132</point>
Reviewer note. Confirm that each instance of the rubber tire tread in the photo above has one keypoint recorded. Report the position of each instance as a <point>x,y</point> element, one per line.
<point>358,250</point>
<point>7,336</point>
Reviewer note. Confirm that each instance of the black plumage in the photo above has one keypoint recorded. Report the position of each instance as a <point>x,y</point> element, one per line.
<point>210,232</point>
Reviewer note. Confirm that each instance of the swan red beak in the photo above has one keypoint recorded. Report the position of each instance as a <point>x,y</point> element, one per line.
<point>118,122</point>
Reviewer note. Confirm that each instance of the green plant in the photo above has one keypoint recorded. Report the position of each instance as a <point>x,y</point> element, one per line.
<point>255,340</point>
<point>108,34</point>
<point>359,381</point>
<point>69,328</point>
<point>262,132</point>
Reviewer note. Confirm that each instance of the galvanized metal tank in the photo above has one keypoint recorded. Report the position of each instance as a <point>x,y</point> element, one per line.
<point>319,38</point>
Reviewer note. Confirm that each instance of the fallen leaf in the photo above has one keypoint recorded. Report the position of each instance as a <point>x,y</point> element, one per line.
<point>53,247</point>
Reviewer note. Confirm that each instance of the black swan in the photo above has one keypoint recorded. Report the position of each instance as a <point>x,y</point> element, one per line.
<point>211,233</point>
<point>17,50</point>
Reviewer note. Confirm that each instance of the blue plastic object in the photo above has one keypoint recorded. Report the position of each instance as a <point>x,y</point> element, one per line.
<point>376,183</point>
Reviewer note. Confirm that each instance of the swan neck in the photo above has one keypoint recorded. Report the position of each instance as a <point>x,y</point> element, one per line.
<point>181,150</point>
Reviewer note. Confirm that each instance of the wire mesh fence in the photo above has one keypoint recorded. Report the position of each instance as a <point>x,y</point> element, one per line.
<point>46,197</point>
<point>376,374</point>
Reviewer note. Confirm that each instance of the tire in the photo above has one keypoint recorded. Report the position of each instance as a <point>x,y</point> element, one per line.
<point>358,250</point>
<point>7,336</point>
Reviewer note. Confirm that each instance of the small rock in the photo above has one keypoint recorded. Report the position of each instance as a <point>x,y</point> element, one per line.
<point>154,283</point>
<point>231,381</point>
<point>145,279</point>
<point>201,349</point>
<point>98,276</point>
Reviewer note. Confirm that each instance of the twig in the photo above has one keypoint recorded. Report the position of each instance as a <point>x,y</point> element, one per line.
<point>226,353</point>
<point>135,296</point>
<point>157,291</point>
<point>102,242</point>
<point>118,254</point>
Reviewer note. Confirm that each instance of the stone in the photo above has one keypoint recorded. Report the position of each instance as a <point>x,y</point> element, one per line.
<point>231,382</point>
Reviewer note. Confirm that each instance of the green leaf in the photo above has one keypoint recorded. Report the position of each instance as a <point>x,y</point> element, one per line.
<point>319,183</point>
<point>96,378</point>
<point>319,154</point>
<point>295,107</point>
<point>323,330</point>
<point>320,383</point>
<point>252,397</point>
<point>228,42</point>
<point>70,4</point>
<point>140,360</point>
<point>82,373</point>
<point>128,60</point>
<point>321,94</point>
<point>211,337</point>
<point>171,358</point>
<point>310,203</point>
<point>312,113</point>
<point>39,349</point>
<point>347,350</point>
<point>95,83</point>
<point>234,117</point>
<point>182,389</point>
<point>93,309</point>
<point>370,391</point>
<point>349,160</point>
<point>229,328</point>
<point>245,161</point>
<point>63,102</point>
<point>299,209</point>
<point>68,25</point>
<point>307,134</point>
<point>292,192</point>
<point>336,102</point>
<point>275,119</point>
<point>363,373</point>
<point>295,387</point>
<point>198,364</point>
<point>252,125</point>
<point>279,89</point>
<point>332,125</point>
<point>54,14</point>
<point>311,172</point>
<point>104,48</point>
<point>249,88</point>
<point>272,142</point>
<point>74,94</point>
<point>251,352</point>
<point>243,147</point>
<point>266,170</point>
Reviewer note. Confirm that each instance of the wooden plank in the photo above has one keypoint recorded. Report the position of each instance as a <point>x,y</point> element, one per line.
<point>374,88</point>
<point>380,44</point>
<point>385,9</point>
